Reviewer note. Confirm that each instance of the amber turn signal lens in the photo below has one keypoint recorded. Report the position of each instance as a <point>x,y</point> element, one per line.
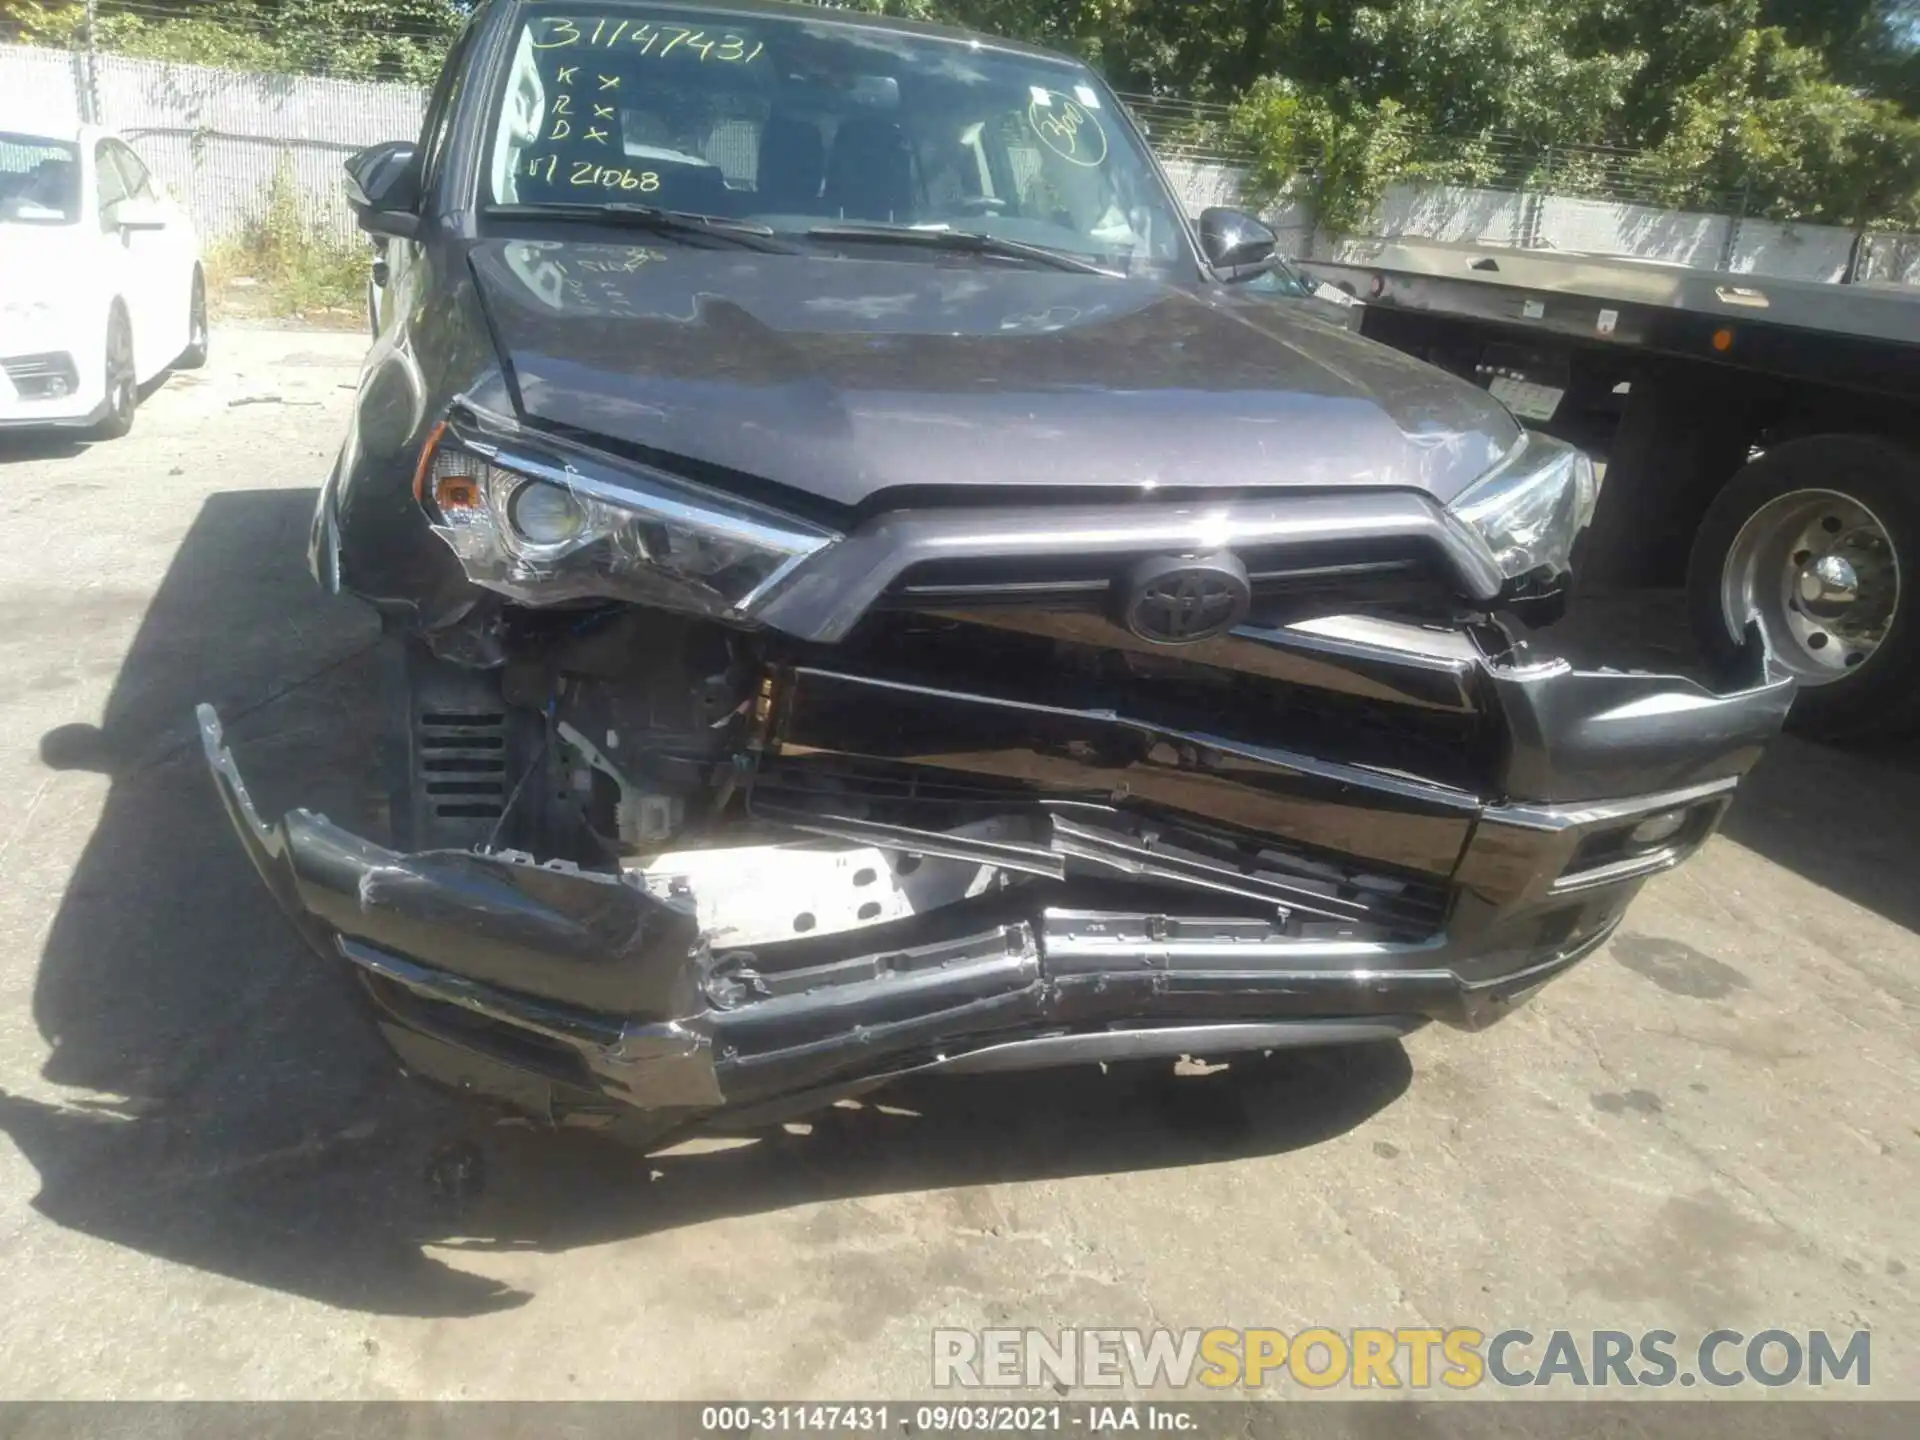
<point>1723,340</point>
<point>456,492</point>
<point>426,460</point>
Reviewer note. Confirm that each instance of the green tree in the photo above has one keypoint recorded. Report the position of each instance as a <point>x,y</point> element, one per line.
<point>1766,120</point>
<point>1727,104</point>
<point>1870,43</point>
<point>355,39</point>
<point>1516,66</point>
<point>1334,152</point>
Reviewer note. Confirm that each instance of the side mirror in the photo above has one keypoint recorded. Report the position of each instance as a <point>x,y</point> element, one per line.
<point>1236,245</point>
<point>134,214</point>
<point>383,189</point>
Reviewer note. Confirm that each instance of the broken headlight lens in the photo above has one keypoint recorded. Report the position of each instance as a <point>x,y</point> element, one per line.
<point>547,527</point>
<point>1530,508</point>
<point>543,514</point>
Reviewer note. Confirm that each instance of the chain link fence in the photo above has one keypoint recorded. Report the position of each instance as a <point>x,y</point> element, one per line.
<point>217,139</point>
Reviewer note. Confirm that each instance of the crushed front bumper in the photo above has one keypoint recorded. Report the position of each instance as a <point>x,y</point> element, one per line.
<point>568,992</point>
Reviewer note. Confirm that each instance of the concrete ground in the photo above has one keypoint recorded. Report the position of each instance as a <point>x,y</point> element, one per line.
<point>210,1177</point>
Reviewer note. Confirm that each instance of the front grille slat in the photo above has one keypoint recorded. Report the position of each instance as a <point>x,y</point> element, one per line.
<point>1279,580</point>
<point>1401,902</point>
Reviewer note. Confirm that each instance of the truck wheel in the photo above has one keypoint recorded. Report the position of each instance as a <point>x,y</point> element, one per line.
<point>1818,540</point>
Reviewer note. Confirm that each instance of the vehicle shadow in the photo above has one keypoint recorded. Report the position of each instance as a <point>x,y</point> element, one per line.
<point>226,1106</point>
<point>23,445</point>
<point>555,1192</point>
<point>17,446</point>
<point>1842,817</point>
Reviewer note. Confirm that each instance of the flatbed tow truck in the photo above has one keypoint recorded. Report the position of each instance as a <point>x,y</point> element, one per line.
<point>1761,438</point>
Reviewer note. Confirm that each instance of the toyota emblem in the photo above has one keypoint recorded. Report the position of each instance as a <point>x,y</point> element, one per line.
<point>1178,600</point>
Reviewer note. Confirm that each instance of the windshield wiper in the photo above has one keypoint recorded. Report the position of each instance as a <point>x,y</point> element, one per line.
<point>649,217</point>
<point>972,242</point>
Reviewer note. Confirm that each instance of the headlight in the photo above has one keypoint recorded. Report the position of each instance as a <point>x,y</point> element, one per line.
<point>539,514</point>
<point>1528,510</point>
<point>546,524</point>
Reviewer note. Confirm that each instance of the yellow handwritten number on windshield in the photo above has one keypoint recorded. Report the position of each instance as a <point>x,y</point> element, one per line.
<point>563,33</point>
<point>598,177</point>
<point>613,177</point>
<point>1068,129</point>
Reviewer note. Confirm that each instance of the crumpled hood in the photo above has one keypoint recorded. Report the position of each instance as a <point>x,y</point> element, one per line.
<point>845,377</point>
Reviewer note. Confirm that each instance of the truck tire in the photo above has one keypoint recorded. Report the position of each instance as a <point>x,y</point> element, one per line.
<point>1819,539</point>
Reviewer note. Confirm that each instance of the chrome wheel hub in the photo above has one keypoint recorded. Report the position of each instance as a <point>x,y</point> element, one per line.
<point>1829,585</point>
<point>1819,571</point>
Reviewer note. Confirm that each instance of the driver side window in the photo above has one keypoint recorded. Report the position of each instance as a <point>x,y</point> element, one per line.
<point>109,187</point>
<point>132,171</point>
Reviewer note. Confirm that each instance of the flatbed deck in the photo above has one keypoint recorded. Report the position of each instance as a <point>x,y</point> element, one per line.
<point>1865,336</point>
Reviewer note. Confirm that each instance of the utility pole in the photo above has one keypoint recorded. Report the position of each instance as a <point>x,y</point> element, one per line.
<point>90,87</point>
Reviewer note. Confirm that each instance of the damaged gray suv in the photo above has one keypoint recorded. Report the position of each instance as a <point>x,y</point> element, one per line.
<point>877,595</point>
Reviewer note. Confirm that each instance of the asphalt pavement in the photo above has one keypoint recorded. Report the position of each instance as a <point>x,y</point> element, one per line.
<point>211,1177</point>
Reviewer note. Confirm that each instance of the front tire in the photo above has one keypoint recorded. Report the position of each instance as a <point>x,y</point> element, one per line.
<point>195,355</point>
<point>1819,540</point>
<point>122,387</point>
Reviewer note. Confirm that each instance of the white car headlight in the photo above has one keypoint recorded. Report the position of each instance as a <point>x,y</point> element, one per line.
<point>545,526</point>
<point>1530,508</point>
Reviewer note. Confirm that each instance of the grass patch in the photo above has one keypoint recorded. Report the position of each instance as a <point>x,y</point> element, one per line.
<point>284,266</point>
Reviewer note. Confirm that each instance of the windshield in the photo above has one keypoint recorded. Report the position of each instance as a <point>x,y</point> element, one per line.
<point>39,180</point>
<point>796,123</point>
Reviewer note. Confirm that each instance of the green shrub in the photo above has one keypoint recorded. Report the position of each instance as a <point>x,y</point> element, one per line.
<point>297,266</point>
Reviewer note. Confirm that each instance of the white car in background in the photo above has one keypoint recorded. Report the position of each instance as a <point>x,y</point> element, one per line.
<point>100,282</point>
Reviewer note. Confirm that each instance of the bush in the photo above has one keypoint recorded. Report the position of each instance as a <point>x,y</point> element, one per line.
<point>298,266</point>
